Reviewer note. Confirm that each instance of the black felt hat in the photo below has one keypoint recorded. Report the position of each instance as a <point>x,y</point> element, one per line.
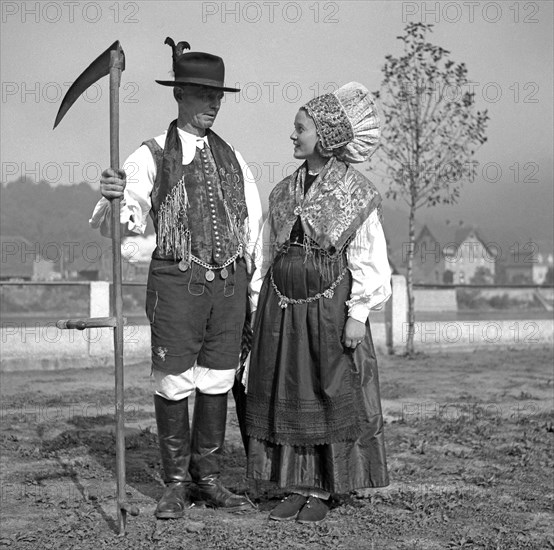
<point>203,69</point>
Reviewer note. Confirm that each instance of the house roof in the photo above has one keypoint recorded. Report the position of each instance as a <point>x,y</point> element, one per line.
<point>455,235</point>
<point>450,234</point>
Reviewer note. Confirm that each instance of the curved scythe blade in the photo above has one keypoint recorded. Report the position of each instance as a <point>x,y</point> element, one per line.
<point>95,71</point>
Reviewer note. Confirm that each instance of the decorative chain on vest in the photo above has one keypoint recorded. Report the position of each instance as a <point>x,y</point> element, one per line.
<point>201,216</point>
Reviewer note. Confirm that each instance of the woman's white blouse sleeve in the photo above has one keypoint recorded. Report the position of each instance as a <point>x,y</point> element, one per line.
<point>368,262</point>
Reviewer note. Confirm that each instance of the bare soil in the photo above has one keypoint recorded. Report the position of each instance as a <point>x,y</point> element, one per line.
<point>469,439</point>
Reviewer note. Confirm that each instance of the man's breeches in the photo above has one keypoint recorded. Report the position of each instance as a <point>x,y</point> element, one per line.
<point>194,320</point>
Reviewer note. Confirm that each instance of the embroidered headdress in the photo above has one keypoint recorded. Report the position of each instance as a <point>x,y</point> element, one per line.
<point>347,119</point>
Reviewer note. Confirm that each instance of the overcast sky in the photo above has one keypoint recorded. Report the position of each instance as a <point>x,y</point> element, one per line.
<point>281,54</point>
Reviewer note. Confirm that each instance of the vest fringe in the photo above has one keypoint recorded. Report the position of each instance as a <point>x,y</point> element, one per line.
<point>241,237</point>
<point>174,238</point>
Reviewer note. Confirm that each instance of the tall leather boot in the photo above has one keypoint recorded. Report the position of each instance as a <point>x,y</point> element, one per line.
<point>172,418</point>
<point>208,436</point>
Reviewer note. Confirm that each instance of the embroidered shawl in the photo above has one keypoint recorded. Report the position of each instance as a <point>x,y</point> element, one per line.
<point>335,206</point>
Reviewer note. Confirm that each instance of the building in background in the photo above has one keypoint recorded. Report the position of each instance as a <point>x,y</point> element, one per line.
<point>453,255</point>
<point>524,265</point>
<point>21,260</point>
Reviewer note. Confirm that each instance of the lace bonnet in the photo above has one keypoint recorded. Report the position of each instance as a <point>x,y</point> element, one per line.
<point>347,118</point>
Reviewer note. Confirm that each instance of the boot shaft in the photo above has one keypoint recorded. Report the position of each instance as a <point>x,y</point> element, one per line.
<point>172,419</point>
<point>208,434</point>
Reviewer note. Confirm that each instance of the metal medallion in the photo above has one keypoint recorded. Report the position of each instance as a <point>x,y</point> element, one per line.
<point>184,265</point>
<point>210,275</point>
<point>224,273</point>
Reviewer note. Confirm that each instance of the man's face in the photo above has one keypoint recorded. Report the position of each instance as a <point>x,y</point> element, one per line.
<point>198,105</point>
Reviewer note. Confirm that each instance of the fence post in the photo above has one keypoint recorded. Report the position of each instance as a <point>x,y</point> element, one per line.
<point>396,314</point>
<point>99,306</point>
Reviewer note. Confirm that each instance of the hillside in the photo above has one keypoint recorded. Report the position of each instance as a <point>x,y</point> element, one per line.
<point>53,217</point>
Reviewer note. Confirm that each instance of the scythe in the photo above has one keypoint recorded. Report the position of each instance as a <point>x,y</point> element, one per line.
<point>111,62</point>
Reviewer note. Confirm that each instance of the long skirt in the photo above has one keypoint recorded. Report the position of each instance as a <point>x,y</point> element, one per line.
<point>313,410</point>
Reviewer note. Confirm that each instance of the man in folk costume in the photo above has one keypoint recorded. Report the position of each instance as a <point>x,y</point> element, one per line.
<point>206,211</point>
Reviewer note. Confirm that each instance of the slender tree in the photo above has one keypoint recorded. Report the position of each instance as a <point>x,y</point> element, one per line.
<point>431,130</point>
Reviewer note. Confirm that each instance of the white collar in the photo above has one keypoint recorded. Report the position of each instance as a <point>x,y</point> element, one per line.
<point>188,142</point>
<point>189,139</point>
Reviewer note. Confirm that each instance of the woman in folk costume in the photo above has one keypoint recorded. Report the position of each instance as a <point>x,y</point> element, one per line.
<point>313,412</point>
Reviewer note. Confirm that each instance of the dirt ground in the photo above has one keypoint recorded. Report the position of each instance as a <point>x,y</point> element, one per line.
<point>469,441</point>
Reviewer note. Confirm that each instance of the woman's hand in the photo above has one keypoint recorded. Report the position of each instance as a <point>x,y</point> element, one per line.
<point>354,333</point>
<point>112,183</point>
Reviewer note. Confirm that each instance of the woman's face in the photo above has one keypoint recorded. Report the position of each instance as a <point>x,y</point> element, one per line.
<point>304,136</point>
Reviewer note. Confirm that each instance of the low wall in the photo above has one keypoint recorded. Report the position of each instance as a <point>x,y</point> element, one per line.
<point>49,348</point>
<point>429,299</point>
<point>45,347</point>
<point>39,346</point>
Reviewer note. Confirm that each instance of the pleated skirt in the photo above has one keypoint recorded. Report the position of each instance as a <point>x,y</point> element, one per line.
<point>313,410</point>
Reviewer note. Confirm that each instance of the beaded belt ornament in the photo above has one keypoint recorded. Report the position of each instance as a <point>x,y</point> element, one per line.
<point>284,301</point>
<point>210,275</point>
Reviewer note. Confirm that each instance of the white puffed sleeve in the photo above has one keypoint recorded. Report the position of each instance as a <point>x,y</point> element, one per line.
<point>371,274</point>
<point>253,222</point>
<point>140,170</point>
<point>263,260</point>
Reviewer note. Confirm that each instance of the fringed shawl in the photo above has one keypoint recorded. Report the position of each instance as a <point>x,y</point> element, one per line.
<point>335,206</point>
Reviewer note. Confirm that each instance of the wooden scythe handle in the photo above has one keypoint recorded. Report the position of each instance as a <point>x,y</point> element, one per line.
<point>116,65</point>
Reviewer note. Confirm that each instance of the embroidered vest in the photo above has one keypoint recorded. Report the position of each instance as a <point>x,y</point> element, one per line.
<point>331,211</point>
<point>203,213</point>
